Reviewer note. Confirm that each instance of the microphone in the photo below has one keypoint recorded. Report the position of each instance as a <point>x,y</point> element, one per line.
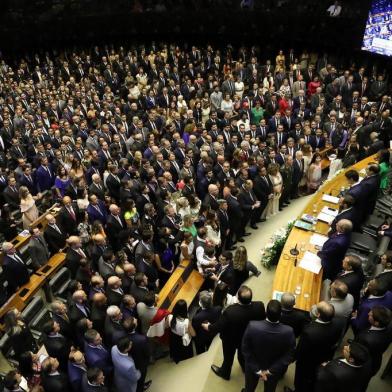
<point>294,251</point>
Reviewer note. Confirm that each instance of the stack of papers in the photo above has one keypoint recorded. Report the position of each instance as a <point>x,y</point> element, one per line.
<point>318,240</point>
<point>331,199</point>
<point>330,211</point>
<point>310,262</point>
<point>325,217</point>
<point>277,295</point>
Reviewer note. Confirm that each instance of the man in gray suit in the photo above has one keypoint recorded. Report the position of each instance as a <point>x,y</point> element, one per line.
<point>38,248</point>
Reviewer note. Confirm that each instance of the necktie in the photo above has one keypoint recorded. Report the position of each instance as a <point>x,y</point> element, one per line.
<point>71,212</point>
<point>56,228</point>
<point>17,258</point>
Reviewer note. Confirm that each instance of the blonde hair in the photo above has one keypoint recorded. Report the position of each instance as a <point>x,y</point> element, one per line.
<point>240,258</point>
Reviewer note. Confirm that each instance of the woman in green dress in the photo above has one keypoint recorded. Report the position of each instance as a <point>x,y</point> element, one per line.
<point>257,113</point>
<point>384,165</point>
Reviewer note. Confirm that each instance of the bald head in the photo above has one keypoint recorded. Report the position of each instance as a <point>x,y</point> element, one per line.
<point>325,311</point>
<point>287,301</point>
<point>213,190</point>
<point>114,282</point>
<point>344,226</point>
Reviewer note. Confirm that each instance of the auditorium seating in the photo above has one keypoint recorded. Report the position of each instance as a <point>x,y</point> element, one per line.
<point>59,283</point>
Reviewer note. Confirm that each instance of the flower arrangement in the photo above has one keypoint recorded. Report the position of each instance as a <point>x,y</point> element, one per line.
<point>272,250</point>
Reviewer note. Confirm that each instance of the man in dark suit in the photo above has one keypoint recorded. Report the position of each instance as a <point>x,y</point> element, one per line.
<point>378,337</point>
<point>115,225</point>
<point>295,318</point>
<point>236,216</point>
<point>60,316</point>
<point>350,373</point>
<point>11,194</point>
<point>263,189</point>
<point>376,294</point>
<point>113,325</point>
<point>79,309</point>
<point>251,207</point>
<point>14,268</point>
<point>231,326</point>
<point>69,216</point>
<point>370,185</point>
<point>56,344</point>
<point>54,235</point>
<point>38,248</point>
<point>114,292</point>
<point>334,249</point>
<point>224,225</point>
<point>316,345</point>
<point>53,379</point>
<point>206,313</point>
<point>277,342</point>
<point>386,274</point>
<point>352,275</point>
<point>96,187</point>
<point>298,172</point>
<point>210,200</point>
<point>346,211</point>
<point>74,254</point>
<point>44,176</point>
<point>96,354</point>
<point>93,380</point>
<point>96,210</point>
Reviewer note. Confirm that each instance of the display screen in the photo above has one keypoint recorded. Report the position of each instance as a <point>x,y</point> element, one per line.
<point>378,31</point>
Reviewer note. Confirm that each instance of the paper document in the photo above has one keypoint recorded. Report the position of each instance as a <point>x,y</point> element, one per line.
<point>330,211</point>
<point>331,199</point>
<point>24,233</point>
<point>325,217</point>
<point>318,240</point>
<point>310,262</point>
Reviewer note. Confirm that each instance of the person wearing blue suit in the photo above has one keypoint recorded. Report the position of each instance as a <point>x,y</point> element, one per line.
<point>370,185</point>
<point>335,248</point>
<point>346,211</point>
<point>268,348</point>
<point>125,373</point>
<point>76,370</point>
<point>96,354</point>
<point>44,176</point>
<point>96,210</point>
<point>376,295</point>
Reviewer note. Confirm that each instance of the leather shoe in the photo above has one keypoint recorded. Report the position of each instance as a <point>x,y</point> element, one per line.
<point>261,220</point>
<point>241,240</point>
<point>254,227</point>
<point>246,234</point>
<point>217,371</point>
<point>233,248</point>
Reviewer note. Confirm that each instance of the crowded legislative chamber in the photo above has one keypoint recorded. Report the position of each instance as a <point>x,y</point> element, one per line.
<point>195,195</point>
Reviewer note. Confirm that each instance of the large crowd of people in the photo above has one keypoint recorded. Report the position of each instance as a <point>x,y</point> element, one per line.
<point>161,155</point>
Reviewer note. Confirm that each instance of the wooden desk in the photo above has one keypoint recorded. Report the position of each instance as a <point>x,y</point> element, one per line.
<point>184,283</point>
<point>22,297</point>
<point>288,277</point>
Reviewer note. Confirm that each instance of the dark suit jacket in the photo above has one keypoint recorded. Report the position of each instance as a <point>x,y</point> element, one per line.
<point>75,376</point>
<point>386,277</point>
<point>44,180</point>
<point>113,297</point>
<point>86,387</point>
<point>67,222</point>
<point>204,338</point>
<point>95,215</point>
<point>318,342</point>
<point>113,229</point>
<point>354,282</point>
<point>111,328</point>
<point>210,202</point>
<point>235,212</point>
<point>140,351</point>
<point>100,193</point>
<point>234,320</point>
<point>349,214</point>
<point>72,260</point>
<point>277,341</point>
<point>337,376</point>
<point>58,347</point>
<point>377,342</point>
<point>55,240</point>
<point>39,251</point>
<point>296,319</point>
<point>262,189</point>
<point>15,273</point>
<point>98,357</point>
<point>298,172</point>
<point>332,254</point>
<point>65,327</point>
<point>58,383</point>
